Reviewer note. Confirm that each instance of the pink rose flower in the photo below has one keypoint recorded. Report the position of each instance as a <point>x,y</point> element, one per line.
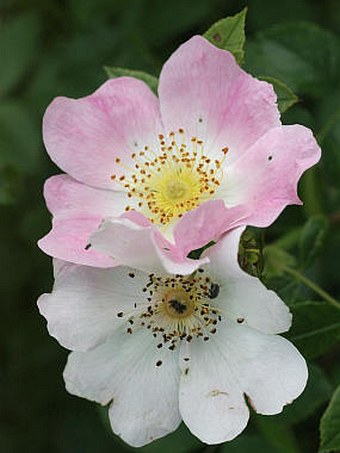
<point>207,155</point>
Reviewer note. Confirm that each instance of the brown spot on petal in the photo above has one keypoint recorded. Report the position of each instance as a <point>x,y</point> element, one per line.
<point>217,392</point>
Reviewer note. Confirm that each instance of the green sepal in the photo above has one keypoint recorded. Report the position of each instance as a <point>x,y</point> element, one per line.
<point>285,96</point>
<point>149,79</point>
<point>229,34</point>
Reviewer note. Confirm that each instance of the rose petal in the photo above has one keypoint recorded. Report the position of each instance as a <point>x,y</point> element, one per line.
<point>144,396</point>
<point>264,180</point>
<point>85,136</point>
<point>243,298</point>
<point>141,247</point>
<point>204,91</point>
<point>82,311</point>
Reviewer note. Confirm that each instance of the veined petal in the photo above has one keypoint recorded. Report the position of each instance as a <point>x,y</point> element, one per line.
<point>83,309</point>
<point>141,247</point>
<point>67,198</point>
<point>68,240</point>
<point>215,374</point>
<point>265,178</point>
<point>204,91</point>
<point>78,211</point>
<point>243,298</point>
<point>206,223</point>
<point>269,368</point>
<point>85,136</point>
<point>139,380</point>
<point>211,400</point>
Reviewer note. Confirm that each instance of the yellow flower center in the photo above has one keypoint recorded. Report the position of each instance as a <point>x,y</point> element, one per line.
<point>177,178</point>
<point>176,309</point>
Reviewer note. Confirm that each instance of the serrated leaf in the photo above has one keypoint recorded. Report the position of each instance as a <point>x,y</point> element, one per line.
<point>149,79</point>
<point>330,425</point>
<point>316,327</point>
<point>303,55</point>
<point>312,239</point>
<point>229,34</point>
<point>18,47</point>
<point>285,96</point>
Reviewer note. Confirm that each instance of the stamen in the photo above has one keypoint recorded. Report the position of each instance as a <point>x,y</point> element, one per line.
<point>176,309</point>
<point>167,182</point>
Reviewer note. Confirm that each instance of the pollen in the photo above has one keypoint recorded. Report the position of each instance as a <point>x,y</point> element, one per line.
<point>178,309</point>
<point>167,182</point>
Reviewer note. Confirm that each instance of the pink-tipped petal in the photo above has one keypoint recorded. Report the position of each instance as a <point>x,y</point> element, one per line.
<point>65,197</point>
<point>69,241</point>
<point>265,179</point>
<point>206,223</point>
<point>204,91</point>
<point>141,247</point>
<point>78,211</point>
<point>85,136</point>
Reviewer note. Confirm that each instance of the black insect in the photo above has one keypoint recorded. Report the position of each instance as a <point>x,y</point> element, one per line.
<point>214,291</point>
<point>178,306</point>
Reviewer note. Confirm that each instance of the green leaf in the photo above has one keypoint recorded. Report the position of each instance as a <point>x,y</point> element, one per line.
<point>149,79</point>
<point>18,49</point>
<point>316,327</point>
<point>329,425</point>
<point>312,239</point>
<point>303,55</point>
<point>285,97</point>
<point>229,34</point>
<point>317,392</point>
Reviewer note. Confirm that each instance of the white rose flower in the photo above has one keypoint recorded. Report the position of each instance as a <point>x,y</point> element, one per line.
<point>159,349</point>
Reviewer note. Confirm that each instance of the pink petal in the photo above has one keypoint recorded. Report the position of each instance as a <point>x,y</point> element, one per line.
<point>204,91</point>
<point>206,223</point>
<point>68,241</point>
<point>141,247</point>
<point>265,178</point>
<point>65,197</point>
<point>85,136</point>
<point>78,211</point>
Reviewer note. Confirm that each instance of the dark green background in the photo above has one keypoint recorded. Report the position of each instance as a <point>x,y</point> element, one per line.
<point>51,48</point>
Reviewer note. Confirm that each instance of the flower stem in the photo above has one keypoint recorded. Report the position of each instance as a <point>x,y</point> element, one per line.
<point>313,286</point>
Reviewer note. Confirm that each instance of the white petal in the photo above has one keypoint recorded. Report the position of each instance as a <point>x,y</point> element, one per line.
<point>141,247</point>
<point>211,401</point>
<point>269,368</point>
<point>144,396</point>
<point>82,309</point>
<point>236,361</point>
<point>244,298</point>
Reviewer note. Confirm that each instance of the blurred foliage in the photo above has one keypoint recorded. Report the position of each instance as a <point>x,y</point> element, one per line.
<point>60,48</point>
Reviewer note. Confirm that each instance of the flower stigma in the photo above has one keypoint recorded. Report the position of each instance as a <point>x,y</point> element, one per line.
<point>177,178</point>
<point>177,309</point>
